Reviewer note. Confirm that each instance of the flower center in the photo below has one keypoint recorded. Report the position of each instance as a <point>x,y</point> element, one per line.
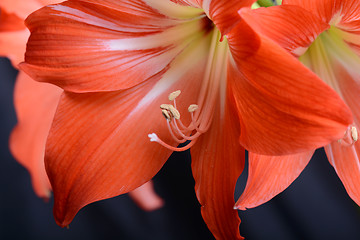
<point>329,56</point>
<point>328,50</point>
<point>212,92</point>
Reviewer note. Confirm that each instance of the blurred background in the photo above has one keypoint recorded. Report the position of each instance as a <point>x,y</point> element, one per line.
<point>315,206</point>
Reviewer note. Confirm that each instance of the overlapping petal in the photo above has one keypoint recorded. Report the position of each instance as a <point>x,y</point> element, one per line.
<point>292,27</point>
<point>283,107</point>
<point>99,147</point>
<point>35,105</point>
<point>217,161</point>
<point>333,61</point>
<point>224,13</point>
<point>104,45</point>
<point>342,13</point>
<point>269,176</point>
<point>345,159</point>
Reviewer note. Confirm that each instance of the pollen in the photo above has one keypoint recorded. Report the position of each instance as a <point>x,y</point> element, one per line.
<point>350,136</point>
<point>193,108</point>
<point>180,132</point>
<point>169,111</point>
<point>354,133</point>
<point>174,95</point>
<point>166,114</point>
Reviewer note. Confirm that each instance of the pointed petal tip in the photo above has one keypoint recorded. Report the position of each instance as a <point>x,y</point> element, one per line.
<point>47,196</point>
<point>238,207</point>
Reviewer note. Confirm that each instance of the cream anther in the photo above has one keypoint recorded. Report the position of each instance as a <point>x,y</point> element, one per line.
<point>165,106</point>
<point>354,133</point>
<point>166,114</point>
<point>171,110</point>
<point>350,136</point>
<point>179,132</point>
<point>174,95</point>
<point>193,107</point>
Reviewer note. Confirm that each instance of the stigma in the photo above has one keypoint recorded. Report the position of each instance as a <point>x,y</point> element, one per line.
<point>179,131</point>
<point>350,136</point>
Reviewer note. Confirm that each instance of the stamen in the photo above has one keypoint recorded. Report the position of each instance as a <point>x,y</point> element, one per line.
<point>192,108</point>
<point>174,95</point>
<point>211,95</point>
<point>171,111</point>
<point>179,134</point>
<point>354,133</point>
<point>166,115</point>
<point>350,136</point>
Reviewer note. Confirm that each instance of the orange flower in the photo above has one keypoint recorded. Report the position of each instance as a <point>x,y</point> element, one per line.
<point>118,61</point>
<point>36,103</point>
<point>325,34</point>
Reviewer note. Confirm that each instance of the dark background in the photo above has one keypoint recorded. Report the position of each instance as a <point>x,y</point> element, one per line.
<point>315,206</point>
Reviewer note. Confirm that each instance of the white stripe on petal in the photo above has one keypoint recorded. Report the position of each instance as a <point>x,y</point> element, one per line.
<point>173,10</point>
<point>194,53</point>
<point>168,37</point>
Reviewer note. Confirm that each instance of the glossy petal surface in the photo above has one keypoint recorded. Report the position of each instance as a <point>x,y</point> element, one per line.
<point>343,13</point>
<point>345,159</point>
<point>269,176</point>
<point>99,147</point>
<point>217,162</point>
<point>283,107</point>
<point>291,27</point>
<point>224,13</point>
<point>107,45</point>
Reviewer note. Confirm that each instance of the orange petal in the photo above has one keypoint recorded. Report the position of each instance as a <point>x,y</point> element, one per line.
<point>12,45</point>
<point>224,13</point>
<point>99,147</point>
<point>269,176</point>
<point>19,7</point>
<point>217,162</point>
<point>35,105</point>
<point>10,22</point>
<point>283,107</point>
<point>291,27</point>
<point>114,45</point>
<point>343,13</point>
<point>345,159</point>
<point>146,197</point>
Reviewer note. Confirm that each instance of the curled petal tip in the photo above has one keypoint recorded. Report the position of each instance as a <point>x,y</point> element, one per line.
<point>239,207</point>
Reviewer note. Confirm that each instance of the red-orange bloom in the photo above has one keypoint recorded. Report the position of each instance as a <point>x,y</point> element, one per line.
<point>35,104</point>
<point>118,61</point>
<point>325,34</point>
